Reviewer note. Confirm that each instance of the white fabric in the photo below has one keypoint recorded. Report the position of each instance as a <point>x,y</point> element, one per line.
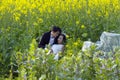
<point>56,48</point>
<point>51,40</point>
<point>87,45</point>
<point>56,57</point>
<point>109,41</point>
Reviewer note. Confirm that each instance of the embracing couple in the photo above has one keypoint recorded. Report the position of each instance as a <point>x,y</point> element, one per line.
<point>55,39</point>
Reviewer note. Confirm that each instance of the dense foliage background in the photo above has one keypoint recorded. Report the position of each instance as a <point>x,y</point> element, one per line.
<point>22,22</point>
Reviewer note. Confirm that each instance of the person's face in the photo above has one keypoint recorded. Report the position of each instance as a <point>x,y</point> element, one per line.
<point>55,34</point>
<point>60,39</point>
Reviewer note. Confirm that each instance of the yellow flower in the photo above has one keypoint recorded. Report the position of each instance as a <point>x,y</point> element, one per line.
<point>82,26</point>
<point>106,13</point>
<point>46,50</point>
<point>67,36</point>
<point>75,43</point>
<point>77,22</point>
<point>33,6</point>
<point>99,14</point>
<point>88,12</point>
<point>17,18</point>
<point>40,20</point>
<point>49,11</point>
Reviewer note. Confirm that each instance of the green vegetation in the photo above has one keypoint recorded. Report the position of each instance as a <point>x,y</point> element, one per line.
<point>22,22</point>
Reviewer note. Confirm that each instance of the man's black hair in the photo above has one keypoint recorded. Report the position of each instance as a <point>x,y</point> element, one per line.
<point>56,28</point>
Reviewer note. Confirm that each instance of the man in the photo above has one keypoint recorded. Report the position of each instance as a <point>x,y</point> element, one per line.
<point>49,37</point>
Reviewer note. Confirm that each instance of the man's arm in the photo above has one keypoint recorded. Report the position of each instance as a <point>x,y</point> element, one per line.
<point>42,42</point>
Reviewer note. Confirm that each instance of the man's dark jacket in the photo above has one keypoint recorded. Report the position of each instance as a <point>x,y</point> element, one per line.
<point>45,40</point>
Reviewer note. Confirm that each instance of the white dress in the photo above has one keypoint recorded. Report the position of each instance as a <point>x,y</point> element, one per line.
<point>56,48</point>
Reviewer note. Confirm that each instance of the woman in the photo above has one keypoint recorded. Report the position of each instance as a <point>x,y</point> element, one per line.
<point>58,47</point>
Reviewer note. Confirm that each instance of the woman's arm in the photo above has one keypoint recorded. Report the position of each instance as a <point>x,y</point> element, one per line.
<point>50,51</point>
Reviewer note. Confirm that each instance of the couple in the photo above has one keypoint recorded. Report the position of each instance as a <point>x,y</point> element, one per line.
<point>55,39</point>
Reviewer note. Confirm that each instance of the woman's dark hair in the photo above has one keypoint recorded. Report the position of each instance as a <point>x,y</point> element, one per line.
<point>64,39</point>
<point>56,28</point>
